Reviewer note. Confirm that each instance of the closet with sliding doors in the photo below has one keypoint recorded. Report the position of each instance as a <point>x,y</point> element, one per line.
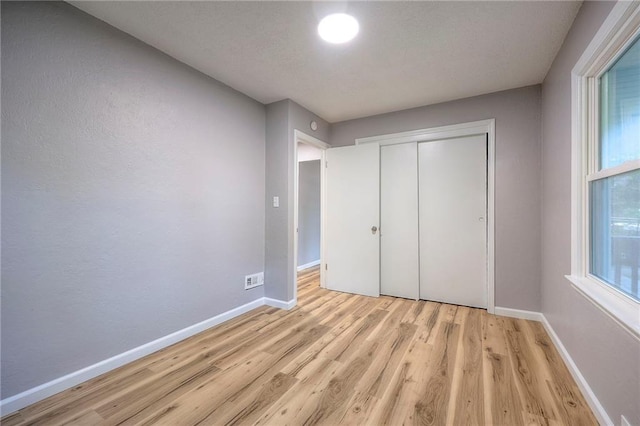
<point>433,220</point>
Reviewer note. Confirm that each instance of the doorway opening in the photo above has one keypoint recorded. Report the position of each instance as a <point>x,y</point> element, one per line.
<point>309,155</point>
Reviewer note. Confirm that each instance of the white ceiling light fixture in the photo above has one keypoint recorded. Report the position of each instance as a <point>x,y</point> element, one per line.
<point>338,28</point>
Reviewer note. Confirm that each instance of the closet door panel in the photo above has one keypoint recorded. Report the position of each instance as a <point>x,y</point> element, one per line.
<point>399,261</point>
<point>452,220</point>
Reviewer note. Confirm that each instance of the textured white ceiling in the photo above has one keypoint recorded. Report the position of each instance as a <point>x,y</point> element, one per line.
<point>407,53</point>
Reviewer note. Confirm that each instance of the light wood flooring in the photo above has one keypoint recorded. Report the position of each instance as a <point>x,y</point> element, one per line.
<point>336,359</point>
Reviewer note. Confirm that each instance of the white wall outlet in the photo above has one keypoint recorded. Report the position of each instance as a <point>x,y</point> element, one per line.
<point>276,201</point>
<point>253,280</point>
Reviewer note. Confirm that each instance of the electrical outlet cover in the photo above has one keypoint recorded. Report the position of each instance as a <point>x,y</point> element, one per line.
<point>254,280</point>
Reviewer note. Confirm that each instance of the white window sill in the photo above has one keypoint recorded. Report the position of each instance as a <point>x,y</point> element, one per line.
<point>619,307</point>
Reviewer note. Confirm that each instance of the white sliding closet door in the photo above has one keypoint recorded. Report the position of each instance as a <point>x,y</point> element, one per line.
<point>453,212</point>
<point>399,264</point>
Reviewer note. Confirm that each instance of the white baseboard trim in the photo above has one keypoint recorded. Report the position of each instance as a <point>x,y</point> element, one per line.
<point>519,313</point>
<point>309,265</point>
<point>592,400</point>
<point>38,393</point>
<point>587,392</point>
<point>280,303</point>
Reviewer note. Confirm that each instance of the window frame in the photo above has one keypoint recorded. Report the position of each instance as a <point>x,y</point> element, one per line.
<point>619,30</point>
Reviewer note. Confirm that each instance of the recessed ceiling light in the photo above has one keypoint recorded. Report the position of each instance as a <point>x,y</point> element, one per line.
<point>338,28</point>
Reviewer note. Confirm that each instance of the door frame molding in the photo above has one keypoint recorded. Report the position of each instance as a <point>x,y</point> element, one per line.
<point>301,137</point>
<point>472,128</point>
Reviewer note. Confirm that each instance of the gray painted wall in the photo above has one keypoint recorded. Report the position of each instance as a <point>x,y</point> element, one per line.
<point>607,356</point>
<point>517,188</point>
<point>277,232</point>
<point>283,118</point>
<point>132,194</point>
<point>308,212</point>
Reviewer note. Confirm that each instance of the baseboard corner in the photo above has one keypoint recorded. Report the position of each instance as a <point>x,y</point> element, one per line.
<point>519,313</point>
<point>595,405</point>
<point>281,304</point>
<point>597,408</point>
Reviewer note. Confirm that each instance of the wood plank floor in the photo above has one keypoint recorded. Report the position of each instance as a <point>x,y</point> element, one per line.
<point>336,359</point>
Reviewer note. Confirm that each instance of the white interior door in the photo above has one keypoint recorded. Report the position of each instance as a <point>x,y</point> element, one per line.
<point>399,262</point>
<point>352,219</point>
<point>453,211</point>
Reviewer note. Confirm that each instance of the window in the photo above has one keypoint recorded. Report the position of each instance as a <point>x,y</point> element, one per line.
<point>606,168</point>
<point>614,192</point>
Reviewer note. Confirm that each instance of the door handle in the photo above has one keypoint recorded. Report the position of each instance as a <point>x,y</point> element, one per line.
<point>374,229</point>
